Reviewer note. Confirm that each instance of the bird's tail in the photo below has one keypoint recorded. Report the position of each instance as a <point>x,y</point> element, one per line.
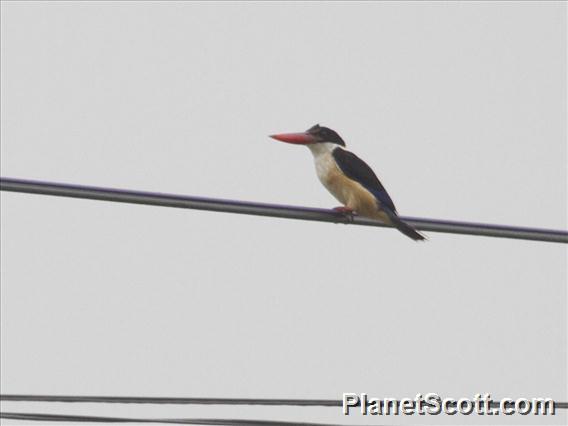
<point>404,227</point>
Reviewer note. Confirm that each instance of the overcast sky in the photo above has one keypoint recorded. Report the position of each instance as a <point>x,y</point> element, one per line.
<point>459,107</point>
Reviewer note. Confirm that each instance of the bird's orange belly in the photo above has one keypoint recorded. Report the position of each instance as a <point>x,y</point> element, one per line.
<point>352,194</point>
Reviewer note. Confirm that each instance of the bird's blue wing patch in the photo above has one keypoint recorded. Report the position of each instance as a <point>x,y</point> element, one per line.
<point>383,197</point>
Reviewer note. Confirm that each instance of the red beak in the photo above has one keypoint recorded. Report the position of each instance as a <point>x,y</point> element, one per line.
<point>295,138</point>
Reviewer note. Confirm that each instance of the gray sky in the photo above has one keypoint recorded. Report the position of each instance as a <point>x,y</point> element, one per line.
<point>459,107</point>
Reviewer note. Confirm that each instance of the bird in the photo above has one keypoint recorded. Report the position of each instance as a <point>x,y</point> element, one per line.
<point>348,178</point>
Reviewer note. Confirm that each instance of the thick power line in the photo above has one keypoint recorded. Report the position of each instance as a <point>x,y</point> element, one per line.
<point>273,210</point>
<point>201,401</point>
<point>173,400</point>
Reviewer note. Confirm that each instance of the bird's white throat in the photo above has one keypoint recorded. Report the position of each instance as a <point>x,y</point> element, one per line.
<point>322,148</point>
<point>324,161</point>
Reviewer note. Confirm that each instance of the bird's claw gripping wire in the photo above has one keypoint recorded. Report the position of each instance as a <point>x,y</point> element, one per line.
<point>346,212</point>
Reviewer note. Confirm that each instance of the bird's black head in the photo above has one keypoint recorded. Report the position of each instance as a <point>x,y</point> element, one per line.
<point>325,134</point>
<point>315,134</point>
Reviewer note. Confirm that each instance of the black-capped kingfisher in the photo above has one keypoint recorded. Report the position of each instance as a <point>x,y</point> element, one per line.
<point>349,179</point>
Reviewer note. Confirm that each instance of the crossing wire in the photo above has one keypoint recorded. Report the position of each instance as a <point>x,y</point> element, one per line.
<point>272,210</point>
<point>184,421</point>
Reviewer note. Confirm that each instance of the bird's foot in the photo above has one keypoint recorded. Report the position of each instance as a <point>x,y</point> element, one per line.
<point>348,213</point>
<point>343,209</point>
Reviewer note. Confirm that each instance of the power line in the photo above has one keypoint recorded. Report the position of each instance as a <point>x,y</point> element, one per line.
<point>174,400</point>
<point>186,421</point>
<point>272,210</point>
<point>168,400</point>
<point>200,401</point>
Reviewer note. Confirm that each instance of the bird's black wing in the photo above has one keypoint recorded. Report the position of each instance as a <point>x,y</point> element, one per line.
<point>356,169</point>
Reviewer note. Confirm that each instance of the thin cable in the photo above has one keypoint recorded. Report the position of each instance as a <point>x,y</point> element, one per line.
<point>40,417</point>
<point>199,401</point>
<point>272,210</point>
